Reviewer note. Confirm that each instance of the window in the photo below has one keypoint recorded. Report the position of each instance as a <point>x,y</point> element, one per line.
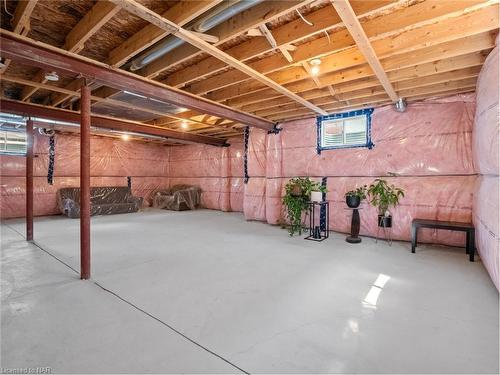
<point>344,130</point>
<point>12,142</point>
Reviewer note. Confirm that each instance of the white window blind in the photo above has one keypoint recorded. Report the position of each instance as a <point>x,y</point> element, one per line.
<point>350,131</point>
<point>12,142</point>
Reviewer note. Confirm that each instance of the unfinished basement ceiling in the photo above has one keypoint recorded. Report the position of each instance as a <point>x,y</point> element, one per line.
<point>427,48</point>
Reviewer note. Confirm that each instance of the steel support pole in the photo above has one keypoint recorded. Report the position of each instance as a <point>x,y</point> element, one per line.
<point>85,182</point>
<point>29,180</point>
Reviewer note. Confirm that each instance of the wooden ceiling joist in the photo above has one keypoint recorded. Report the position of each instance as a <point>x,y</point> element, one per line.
<point>98,15</point>
<point>238,25</point>
<point>473,37</point>
<point>388,25</point>
<point>47,57</point>
<point>20,23</point>
<point>98,99</point>
<point>154,18</point>
<point>368,87</point>
<point>350,20</point>
<point>322,19</point>
<point>466,26</point>
<point>91,22</point>
<point>465,84</point>
<point>25,109</point>
<point>181,13</point>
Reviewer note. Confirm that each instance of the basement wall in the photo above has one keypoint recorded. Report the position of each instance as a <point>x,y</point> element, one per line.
<point>111,161</point>
<point>486,159</point>
<point>218,171</point>
<point>429,147</point>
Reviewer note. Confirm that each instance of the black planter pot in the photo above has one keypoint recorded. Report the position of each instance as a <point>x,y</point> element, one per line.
<point>384,221</point>
<point>352,201</point>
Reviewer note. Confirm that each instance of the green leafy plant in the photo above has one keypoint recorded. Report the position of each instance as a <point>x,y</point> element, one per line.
<point>358,192</point>
<point>383,196</point>
<point>297,197</point>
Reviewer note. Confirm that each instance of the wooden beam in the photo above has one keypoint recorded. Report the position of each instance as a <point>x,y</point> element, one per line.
<point>20,23</point>
<point>428,90</point>
<point>91,22</point>
<point>154,18</point>
<point>341,66</point>
<point>289,33</point>
<point>181,13</point>
<point>350,20</point>
<point>237,25</point>
<point>322,19</point>
<point>34,110</point>
<point>48,57</point>
<point>267,34</point>
<point>366,88</point>
<point>97,99</point>
<point>270,38</point>
<point>30,90</point>
<point>395,42</point>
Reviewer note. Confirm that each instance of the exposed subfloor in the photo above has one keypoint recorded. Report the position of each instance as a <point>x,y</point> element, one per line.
<point>244,294</point>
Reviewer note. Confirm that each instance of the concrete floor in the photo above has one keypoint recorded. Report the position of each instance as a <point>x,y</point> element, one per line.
<point>244,294</point>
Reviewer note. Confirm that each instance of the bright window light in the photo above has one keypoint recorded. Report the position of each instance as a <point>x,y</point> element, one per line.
<point>381,280</point>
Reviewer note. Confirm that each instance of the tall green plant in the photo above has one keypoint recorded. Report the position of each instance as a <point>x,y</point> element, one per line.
<point>383,196</point>
<point>297,197</point>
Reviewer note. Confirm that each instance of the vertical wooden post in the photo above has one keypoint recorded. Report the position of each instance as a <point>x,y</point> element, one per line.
<point>29,180</point>
<point>85,182</point>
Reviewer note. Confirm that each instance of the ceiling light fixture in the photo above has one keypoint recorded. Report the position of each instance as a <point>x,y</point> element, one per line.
<point>52,76</point>
<point>315,63</point>
<point>184,125</point>
<point>125,137</point>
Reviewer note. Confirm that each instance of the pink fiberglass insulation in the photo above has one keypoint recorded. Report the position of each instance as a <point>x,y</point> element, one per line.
<point>254,202</point>
<point>218,171</point>
<point>112,160</point>
<point>486,136</point>
<point>428,147</point>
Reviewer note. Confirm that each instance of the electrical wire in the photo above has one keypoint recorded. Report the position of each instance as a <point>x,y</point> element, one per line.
<point>5,7</point>
<point>328,36</point>
<point>303,19</point>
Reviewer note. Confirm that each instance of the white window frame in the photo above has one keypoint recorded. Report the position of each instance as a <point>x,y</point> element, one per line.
<point>342,117</point>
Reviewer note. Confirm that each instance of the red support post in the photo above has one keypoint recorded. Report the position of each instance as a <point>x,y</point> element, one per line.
<point>85,182</point>
<point>29,180</point>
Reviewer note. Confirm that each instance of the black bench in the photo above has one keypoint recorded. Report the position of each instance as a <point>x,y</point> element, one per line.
<point>448,225</point>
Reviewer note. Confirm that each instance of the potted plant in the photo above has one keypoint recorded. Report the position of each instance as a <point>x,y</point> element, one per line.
<point>297,198</point>
<point>354,197</point>
<point>383,196</point>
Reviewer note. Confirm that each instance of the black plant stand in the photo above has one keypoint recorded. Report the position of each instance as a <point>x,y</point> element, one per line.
<point>355,225</point>
<point>318,232</point>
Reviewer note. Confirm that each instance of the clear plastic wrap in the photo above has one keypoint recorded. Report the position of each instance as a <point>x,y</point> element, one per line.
<point>274,166</point>
<point>486,221</point>
<point>218,171</point>
<point>486,136</point>
<point>178,198</point>
<point>103,201</point>
<point>486,126</point>
<point>112,160</point>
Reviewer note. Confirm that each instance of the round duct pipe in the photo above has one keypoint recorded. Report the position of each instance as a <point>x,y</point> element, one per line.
<point>400,105</point>
<point>215,17</point>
